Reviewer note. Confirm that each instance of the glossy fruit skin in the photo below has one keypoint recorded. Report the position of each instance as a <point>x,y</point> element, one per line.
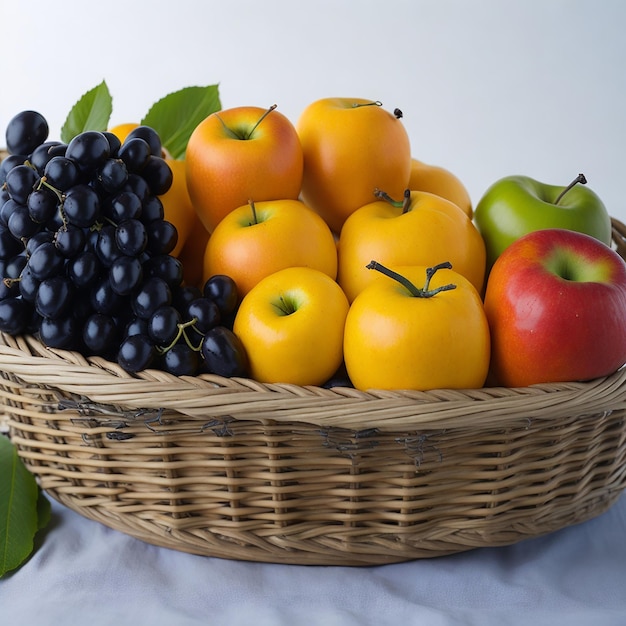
<point>87,248</point>
<point>442,182</point>
<point>150,136</point>
<point>433,230</point>
<point>89,150</point>
<point>25,131</point>
<point>122,130</point>
<point>556,305</point>
<point>13,315</point>
<point>349,151</point>
<point>287,234</point>
<point>222,290</point>
<point>303,347</point>
<point>223,353</point>
<point>394,340</point>
<point>134,153</point>
<point>191,254</point>
<point>230,161</point>
<point>177,205</point>
<point>137,352</point>
<point>516,205</point>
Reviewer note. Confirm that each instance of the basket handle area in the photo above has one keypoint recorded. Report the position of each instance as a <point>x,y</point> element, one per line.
<point>618,233</point>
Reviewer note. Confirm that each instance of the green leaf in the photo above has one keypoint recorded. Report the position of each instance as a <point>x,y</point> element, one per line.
<point>44,510</point>
<point>91,112</point>
<point>18,508</point>
<point>176,115</point>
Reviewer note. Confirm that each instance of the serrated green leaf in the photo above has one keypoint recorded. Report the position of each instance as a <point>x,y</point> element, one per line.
<point>176,115</point>
<point>91,112</point>
<point>18,508</point>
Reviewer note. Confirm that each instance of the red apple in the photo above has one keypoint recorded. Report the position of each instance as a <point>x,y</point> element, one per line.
<point>556,305</point>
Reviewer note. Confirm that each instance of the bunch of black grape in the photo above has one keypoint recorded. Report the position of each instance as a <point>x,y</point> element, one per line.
<point>85,261</point>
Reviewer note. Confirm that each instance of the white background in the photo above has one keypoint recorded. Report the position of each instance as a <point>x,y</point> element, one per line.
<point>488,87</point>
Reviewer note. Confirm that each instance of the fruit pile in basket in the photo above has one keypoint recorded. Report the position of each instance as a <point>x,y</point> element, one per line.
<point>314,252</point>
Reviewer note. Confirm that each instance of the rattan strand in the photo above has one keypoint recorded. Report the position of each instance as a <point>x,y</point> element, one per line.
<point>236,469</point>
<point>247,399</point>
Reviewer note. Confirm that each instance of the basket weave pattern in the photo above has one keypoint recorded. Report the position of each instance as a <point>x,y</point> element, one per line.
<point>237,469</point>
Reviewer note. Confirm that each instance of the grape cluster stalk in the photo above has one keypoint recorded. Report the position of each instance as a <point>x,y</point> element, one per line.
<point>85,261</point>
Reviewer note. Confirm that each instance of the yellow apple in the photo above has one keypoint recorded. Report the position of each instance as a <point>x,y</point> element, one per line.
<point>422,229</point>
<point>291,326</point>
<point>351,146</point>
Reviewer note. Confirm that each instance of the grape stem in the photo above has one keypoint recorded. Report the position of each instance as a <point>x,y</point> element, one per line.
<point>59,194</point>
<point>181,333</point>
<point>43,182</point>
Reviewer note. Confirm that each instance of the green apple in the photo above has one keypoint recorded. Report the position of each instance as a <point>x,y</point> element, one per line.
<point>517,205</point>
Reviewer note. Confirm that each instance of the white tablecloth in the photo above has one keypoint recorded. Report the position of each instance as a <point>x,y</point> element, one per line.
<point>84,573</point>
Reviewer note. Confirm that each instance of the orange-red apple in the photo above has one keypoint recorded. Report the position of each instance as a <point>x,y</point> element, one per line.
<point>240,154</point>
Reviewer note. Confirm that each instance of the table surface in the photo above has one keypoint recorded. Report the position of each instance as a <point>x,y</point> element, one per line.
<point>85,573</point>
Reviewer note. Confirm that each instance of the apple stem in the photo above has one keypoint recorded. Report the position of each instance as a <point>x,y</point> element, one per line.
<point>425,292</point>
<point>261,119</point>
<point>255,219</point>
<point>356,105</point>
<point>406,199</point>
<point>233,134</point>
<point>383,195</point>
<point>285,307</point>
<point>579,179</point>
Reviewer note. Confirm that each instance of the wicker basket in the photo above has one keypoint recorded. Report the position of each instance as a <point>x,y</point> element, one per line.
<point>237,469</point>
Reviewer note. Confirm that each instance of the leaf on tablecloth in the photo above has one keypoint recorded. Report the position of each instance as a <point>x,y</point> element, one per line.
<point>23,508</point>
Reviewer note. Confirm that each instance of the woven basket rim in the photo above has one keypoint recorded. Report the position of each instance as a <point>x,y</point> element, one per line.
<point>104,382</point>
